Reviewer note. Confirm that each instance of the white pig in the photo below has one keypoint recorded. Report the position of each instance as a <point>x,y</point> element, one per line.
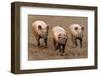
<point>76,33</point>
<point>40,30</point>
<point>59,38</point>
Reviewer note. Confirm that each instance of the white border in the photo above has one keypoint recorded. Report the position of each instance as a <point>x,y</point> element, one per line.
<point>25,64</point>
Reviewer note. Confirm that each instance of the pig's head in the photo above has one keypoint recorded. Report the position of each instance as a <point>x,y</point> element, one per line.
<point>62,38</point>
<point>43,32</point>
<point>79,31</point>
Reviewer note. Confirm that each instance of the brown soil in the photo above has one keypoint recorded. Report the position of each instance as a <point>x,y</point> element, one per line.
<point>71,52</point>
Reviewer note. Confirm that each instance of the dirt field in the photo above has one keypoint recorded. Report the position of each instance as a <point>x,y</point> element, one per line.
<point>40,53</point>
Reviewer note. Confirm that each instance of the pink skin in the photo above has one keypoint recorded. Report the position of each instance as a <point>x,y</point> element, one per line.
<point>40,30</point>
<point>77,34</point>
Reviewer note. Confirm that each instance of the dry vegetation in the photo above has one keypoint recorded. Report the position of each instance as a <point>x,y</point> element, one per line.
<point>40,53</point>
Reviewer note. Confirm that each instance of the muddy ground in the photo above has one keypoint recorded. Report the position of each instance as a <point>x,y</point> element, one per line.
<point>71,52</point>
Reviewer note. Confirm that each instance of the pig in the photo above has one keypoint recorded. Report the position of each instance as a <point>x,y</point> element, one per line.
<point>59,38</point>
<point>77,34</point>
<point>40,31</point>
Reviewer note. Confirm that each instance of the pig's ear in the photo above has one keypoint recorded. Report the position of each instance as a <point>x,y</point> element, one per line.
<point>76,28</point>
<point>82,28</point>
<point>39,27</point>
